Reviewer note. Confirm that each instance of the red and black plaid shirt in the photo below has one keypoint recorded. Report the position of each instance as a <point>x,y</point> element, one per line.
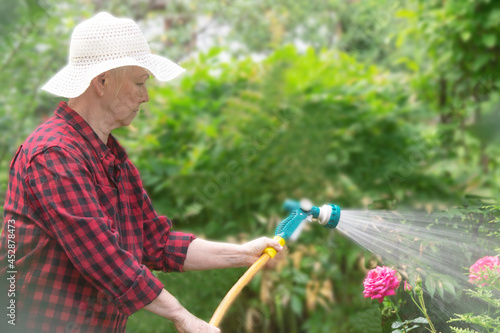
<point>86,234</point>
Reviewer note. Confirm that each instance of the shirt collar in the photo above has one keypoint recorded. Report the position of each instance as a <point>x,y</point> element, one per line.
<point>81,126</point>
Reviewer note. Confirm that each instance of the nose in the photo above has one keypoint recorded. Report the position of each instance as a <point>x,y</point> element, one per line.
<point>145,96</point>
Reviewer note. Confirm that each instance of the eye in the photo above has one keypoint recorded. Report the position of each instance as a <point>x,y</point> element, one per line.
<point>140,84</point>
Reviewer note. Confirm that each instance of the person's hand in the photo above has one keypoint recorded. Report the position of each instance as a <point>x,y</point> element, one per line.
<point>253,250</point>
<point>188,323</point>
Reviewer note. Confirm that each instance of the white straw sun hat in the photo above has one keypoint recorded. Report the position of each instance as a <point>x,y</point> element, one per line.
<point>101,43</point>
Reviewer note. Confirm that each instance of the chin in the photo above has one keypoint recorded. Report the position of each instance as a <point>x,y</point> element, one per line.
<point>127,121</point>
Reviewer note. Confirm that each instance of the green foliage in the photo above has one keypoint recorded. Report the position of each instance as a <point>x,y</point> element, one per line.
<point>255,139</point>
<point>366,321</point>
<point>489,293</point>
<point>32,31</point>
<point>408,325</point>
<point>462,330</point>
<point>455,62</point>
<point>491,324</point>
<point>495,221</point>
<point>449,31</point>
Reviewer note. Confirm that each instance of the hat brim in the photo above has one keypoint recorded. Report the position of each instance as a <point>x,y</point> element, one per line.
<point>73,80</point>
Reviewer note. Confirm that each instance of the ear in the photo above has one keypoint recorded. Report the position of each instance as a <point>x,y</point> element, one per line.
<point>98,83</point>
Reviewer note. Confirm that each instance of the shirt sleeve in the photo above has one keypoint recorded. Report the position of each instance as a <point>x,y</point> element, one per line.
<point>63,189</point>
<point>164,250</point>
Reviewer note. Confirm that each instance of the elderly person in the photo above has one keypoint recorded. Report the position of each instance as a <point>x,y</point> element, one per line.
<point>86,233</point>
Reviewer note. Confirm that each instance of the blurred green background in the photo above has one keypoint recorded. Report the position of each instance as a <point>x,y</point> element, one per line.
<point>367,104</point>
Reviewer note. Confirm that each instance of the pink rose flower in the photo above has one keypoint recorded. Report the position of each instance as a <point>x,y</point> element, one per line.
<point>479,271</point>
<point>407,287</point>
<point>380,282</point>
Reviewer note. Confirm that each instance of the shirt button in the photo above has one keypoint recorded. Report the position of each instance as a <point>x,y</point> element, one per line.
<point>119,179</point>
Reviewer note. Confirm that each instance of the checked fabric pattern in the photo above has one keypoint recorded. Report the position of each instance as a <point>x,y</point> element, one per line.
<point>86,232</point>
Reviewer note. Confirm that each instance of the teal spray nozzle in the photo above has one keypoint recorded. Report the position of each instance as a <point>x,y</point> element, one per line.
<point>327,215</point>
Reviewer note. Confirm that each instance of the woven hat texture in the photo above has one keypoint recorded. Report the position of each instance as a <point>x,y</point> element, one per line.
<point>101,43</point>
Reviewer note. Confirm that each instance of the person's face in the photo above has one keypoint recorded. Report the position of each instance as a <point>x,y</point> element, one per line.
<point>127,94</point>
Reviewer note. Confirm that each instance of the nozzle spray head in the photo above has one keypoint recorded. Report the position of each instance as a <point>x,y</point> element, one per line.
<point>329,216</point>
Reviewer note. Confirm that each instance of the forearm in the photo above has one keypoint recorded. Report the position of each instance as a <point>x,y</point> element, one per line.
<point>203,255</point>
<point>167,306</point>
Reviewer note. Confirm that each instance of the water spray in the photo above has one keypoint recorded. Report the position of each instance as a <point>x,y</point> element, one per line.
<point>301,213</point>
<point>433,246</point>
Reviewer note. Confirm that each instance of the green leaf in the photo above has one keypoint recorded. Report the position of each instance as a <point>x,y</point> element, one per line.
<point>296,305</point>
<point>419,320</point>
<point>480,61</point>
<point>430,285</point>
<point>397,324</point>
<point>493,19</point>
<point>489,40</point>
<point>465,35</point>
<point>440,289</point>
<point>405,13</point>
<point>448,286</point>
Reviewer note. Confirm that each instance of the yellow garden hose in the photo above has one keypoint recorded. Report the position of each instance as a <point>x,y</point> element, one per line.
<point>242,282</point>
